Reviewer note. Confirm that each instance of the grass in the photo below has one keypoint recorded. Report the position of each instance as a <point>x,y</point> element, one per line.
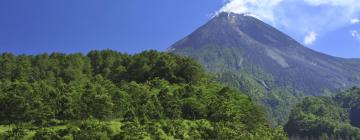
<point>114,125</point>
<point>4,128</point>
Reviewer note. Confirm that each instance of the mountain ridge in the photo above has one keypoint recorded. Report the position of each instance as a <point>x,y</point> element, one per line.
<point>274,69</point>
<point>239,30</point>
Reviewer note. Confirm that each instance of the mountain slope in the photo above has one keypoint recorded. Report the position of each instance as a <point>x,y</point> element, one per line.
<point>327,117</point>
<point>246,48</point>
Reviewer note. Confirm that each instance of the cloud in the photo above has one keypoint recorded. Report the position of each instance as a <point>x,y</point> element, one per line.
<point>354,21</point>
<point>331,2</point>
<point>310,38</point>
<point>344,3</point>
<point>262,9</point>
<point>355,34</point>
<point>299,17</point>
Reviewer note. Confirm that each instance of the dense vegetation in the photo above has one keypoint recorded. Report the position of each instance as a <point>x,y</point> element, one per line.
<point>234,71</point>
<point>335,117</point>
<point>109,95</point>
<point>277,101</point>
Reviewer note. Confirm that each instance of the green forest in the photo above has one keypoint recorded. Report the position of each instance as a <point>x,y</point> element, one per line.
<point>107,95</point>
<point>324,118</point>
<point>231,69</point>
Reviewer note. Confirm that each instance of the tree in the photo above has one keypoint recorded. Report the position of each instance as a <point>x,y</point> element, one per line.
<point>96,102</point>
<point>110,95</point>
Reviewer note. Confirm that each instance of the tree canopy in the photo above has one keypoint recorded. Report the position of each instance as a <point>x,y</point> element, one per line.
<point>110,95</point>
<point>327,117</point>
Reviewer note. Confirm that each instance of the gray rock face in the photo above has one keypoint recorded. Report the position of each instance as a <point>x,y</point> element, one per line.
<point>234,42</point>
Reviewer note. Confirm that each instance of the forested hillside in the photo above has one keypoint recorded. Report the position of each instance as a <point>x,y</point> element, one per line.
<point>110,95</point>
<point>327,117</point>
<point>274,69</point>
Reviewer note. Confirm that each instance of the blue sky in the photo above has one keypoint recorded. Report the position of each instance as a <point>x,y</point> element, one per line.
<point>38,26</point>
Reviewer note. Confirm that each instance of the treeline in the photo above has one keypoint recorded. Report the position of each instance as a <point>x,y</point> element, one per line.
<point>326,118</point>
<point>276,101</point>
<point>110,95</point>
<point>236,72</point>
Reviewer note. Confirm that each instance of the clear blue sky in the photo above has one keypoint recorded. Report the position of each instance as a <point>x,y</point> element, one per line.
<point>38,26</point>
